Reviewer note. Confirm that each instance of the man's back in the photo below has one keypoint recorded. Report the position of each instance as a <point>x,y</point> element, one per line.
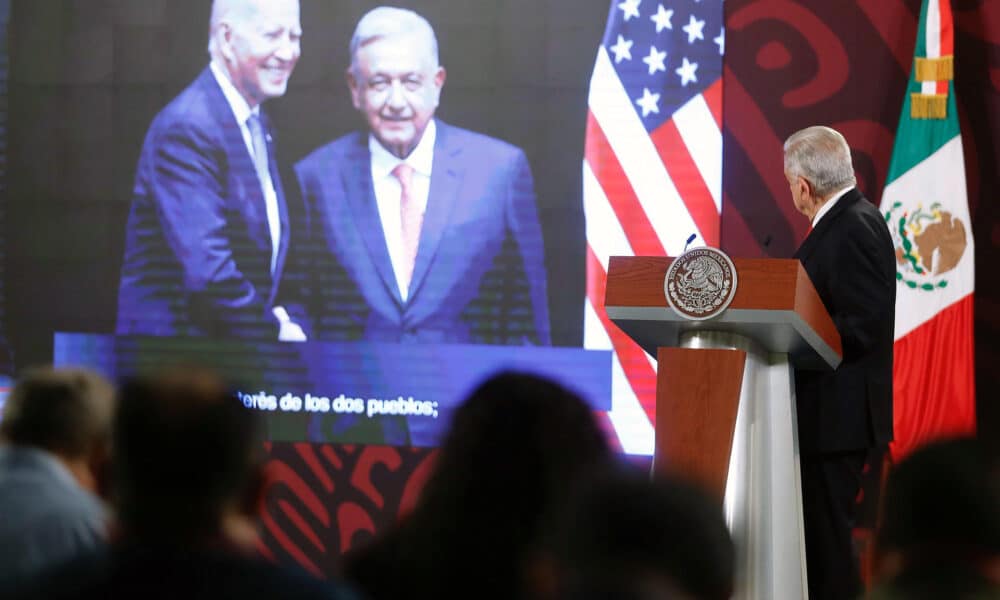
<point>47,517</point>
<point>849,258</point>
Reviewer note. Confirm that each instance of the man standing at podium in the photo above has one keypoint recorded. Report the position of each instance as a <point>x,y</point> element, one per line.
<point>842,414</point>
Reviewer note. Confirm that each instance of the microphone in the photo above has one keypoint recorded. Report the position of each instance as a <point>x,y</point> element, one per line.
<point>688,242</point>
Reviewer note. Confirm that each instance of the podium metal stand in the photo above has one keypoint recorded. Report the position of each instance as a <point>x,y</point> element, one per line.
<point>725,401</point>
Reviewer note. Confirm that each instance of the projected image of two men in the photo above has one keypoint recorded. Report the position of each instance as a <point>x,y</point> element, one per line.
<point>348,228</point>
<point>416,229</point>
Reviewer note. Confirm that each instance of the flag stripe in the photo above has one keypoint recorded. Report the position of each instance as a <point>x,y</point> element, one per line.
<point>632,426</point>
<point>934,380</point>
<point>947,39</point>
<point>933,32</point>
<point>713,98</point>
<point>685,173</point>
<point>703,141</point>
<point>607,426</point>
<point>627,414</point>
<point>947,34</point>
<point>604,232</point>
<point>640,162</point>
<point>933,177</point>
<point>932,39</point>
<point>618,189</point>
<point>641,375</point>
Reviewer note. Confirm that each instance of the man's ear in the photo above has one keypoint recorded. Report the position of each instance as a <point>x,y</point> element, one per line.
<point>439,77</point>
<point>806,187</point>
<point>223,36</point>
<point>355,86</point>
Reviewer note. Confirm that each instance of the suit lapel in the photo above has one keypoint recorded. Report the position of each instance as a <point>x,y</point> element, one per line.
<point>239,158</point>
<point>356,173</point>
<point>825,224</point>
<point>446,179</point>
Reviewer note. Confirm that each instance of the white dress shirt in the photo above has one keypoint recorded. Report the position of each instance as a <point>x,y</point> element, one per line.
<point>828,205</point>
<point>388,192</point>
<point>242,111</point>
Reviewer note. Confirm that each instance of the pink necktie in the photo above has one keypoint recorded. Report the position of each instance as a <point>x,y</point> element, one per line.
<point>411,218</point>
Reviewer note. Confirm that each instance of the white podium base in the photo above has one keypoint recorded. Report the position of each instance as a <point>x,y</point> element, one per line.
<point>763,500</point>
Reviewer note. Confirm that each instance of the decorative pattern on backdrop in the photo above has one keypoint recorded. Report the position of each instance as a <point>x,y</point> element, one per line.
<point>652,170</point>
<point>323,499</point>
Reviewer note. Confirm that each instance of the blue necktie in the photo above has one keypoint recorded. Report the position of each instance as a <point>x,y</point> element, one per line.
<point>259,139</point>
<point>259,147</point>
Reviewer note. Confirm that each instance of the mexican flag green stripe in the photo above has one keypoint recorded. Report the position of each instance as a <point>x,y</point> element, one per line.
<point>916,139</point>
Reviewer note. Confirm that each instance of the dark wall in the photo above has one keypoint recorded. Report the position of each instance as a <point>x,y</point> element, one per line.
<point>6,362</point>
<point>977,42</point>
<point>88,77</point>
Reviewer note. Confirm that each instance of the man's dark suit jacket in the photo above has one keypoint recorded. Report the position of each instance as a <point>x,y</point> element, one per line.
<point>850,258</point>
<point>198,248</point>
<point>479,275</point>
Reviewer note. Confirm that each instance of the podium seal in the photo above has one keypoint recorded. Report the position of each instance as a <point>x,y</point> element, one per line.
<point>700,283</point>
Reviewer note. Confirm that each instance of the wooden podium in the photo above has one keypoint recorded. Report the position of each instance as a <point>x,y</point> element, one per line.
<point>725,401</point>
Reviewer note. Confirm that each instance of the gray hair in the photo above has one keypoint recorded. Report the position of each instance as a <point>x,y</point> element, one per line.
<point>64,411</point>
<point>821,156</point>
<point>386,21</point>
<point>227,10</point>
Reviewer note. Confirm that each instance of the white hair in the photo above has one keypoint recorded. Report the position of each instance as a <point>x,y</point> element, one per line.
<point>227,11</point>
<point>386,21</point>
<point>821,156</point>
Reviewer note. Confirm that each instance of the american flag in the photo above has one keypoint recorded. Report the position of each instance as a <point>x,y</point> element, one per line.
<point>652,169</point>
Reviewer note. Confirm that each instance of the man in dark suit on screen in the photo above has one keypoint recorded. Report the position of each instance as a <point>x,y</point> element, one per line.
<point>844,413</point>
<point>422,232</point>
<point>208,229</point>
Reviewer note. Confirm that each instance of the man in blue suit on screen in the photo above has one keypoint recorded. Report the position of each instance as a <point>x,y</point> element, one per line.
<point>208,229</point>
<point>421,231</point>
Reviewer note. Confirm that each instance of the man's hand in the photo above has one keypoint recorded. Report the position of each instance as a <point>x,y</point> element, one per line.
<point>289,330</point>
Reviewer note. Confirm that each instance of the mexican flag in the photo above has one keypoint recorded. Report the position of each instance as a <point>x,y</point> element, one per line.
<point>926,207</point>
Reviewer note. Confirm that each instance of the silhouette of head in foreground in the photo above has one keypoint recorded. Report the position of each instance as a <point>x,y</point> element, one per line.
<point>516,451</point>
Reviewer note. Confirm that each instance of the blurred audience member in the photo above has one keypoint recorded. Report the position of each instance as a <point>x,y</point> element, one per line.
<point>187,486</point>
<point>628,537</point>
<point>55,434</point>
<point>940,532</point>
<point>516,450</point>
